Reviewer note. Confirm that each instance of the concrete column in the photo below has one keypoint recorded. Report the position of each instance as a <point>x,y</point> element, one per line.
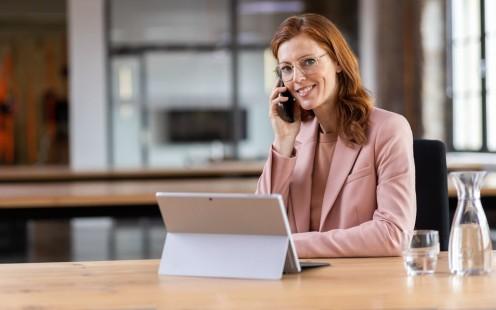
<point>88,85</point>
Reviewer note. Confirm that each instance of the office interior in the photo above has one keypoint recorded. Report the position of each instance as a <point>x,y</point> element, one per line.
<point>157,84</point>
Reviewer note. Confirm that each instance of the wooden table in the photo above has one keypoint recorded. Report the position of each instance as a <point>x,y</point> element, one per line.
<point>136,197</point>
<point>353,283</point>
<point>105,198</point>
<point>40,174</point>
<point>471,161</point>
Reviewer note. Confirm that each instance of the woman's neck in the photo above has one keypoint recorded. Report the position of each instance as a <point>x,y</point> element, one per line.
<point>327,119</point>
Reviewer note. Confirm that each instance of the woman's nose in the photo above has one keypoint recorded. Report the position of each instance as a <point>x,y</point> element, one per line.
<point>298,74</point>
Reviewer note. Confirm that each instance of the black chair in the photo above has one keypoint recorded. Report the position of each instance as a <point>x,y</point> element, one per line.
<point>431,185</point>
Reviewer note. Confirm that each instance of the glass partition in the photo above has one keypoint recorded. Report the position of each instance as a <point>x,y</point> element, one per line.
<point>177,79</point>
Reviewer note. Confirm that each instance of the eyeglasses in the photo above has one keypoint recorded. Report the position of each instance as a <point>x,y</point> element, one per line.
<point>307,65</point>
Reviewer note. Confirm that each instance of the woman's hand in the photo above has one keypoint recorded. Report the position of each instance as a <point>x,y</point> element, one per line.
<point>285,133</point>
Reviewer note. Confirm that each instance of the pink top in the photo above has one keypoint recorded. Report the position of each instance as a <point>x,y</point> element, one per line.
<point>323,157</point>
<point>369,196</point>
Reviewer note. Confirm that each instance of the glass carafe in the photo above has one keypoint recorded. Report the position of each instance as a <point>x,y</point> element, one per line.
<point>470,242</point>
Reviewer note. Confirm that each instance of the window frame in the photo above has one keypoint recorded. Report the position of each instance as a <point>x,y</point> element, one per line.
<point>482,75</point>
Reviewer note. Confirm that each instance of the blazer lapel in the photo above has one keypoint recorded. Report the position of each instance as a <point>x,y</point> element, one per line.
<point>301,187</point>
<point>341,165</point>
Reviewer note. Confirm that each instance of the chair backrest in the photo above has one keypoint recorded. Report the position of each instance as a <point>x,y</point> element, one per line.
<point>431,185</point>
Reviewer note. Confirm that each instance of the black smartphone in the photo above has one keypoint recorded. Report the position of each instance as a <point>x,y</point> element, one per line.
<point>286,109</point>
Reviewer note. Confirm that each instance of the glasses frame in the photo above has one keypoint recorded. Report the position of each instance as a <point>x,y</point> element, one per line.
<point>279,73</point>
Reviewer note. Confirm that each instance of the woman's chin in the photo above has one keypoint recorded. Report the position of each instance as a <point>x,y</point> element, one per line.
<point>305,105</point>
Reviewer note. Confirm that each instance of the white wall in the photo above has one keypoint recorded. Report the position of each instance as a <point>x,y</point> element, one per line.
<point>88,98</point>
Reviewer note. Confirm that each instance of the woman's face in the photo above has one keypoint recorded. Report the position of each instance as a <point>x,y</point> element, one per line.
<point>318,89</point>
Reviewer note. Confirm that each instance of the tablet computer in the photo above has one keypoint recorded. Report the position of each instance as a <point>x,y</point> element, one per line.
<point>227,235</point>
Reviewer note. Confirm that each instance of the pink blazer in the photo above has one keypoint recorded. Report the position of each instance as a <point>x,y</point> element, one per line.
<point>370,194</point>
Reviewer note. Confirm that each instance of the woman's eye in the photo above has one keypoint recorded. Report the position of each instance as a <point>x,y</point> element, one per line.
<point>286,69</point>
<point>308,62</point>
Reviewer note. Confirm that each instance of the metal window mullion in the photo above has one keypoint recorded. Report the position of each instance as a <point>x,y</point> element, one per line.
<point>483,76</point>
<point>108,67</point>
<point>145,134</point>
<point>236,118</point>
<point>449,75</point>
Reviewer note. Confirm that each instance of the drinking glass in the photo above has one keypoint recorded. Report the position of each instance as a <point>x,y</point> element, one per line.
<point>420,250</point>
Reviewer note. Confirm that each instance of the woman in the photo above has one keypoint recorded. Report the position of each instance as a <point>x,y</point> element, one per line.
<point>344,169</point>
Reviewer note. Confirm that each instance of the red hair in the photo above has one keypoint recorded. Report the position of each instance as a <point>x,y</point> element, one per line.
<point>353,101</point>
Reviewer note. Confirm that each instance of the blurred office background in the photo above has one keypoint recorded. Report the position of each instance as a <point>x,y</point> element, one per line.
<point>100,84</point>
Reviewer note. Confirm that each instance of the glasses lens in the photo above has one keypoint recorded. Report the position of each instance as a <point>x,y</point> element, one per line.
<point>285,72</point>
<point>308,64</point>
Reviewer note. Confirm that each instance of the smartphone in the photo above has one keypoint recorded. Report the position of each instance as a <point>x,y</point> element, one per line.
<point>286,109</point>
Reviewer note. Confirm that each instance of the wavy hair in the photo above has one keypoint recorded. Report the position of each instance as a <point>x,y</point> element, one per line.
<point>353,101</point>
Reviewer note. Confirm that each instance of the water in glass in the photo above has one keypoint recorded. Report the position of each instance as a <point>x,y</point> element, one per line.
<point>420,250</point>
<point>470,253</point>
<point>421,261</point>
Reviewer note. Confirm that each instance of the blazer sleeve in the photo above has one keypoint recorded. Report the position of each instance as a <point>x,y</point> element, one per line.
<point>276,175</point>
<point>395,199</point>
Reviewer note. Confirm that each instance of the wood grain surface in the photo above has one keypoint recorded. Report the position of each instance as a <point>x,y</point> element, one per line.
<point>352,283</point>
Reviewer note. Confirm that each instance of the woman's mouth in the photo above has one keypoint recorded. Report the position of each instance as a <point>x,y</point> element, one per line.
<point>303,91</point>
